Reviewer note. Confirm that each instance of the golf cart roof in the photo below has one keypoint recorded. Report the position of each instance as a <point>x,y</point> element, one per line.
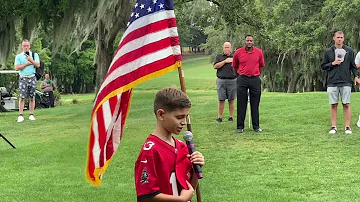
<point>8,71</point>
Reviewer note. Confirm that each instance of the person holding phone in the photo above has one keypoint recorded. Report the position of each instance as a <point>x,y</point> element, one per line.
<point>25,64</point>
<point>339,62</point>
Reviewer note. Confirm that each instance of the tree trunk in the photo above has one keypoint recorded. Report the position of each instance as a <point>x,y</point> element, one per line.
<point>310,86</point>
<point>105,38</point>
<point>25,29</point>
<point>293,81</point>
<point>103,56</point>
<point>286,84</point>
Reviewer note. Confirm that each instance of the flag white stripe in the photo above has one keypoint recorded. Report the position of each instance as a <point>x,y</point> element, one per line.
<point>117,126</point>
<point>148,19</point>
<point>107,114</point>
<point>96,147</point>
<point>141,61</point>
<point>117,130</point>
<point>145,40</point>
<point>111,125</point>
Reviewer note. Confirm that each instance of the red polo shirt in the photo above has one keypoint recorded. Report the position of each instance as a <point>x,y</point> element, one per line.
<point>248,63</point>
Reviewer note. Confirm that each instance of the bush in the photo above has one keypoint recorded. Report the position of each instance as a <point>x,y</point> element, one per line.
<point>75,101</point>
<point>57,97</point>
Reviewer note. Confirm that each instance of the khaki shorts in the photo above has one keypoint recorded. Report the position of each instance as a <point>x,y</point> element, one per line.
<point>344,91</point>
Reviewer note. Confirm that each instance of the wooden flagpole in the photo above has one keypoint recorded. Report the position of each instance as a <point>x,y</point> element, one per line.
<point>188,125</point>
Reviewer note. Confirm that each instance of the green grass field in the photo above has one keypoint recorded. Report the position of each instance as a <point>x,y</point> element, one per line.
<point>294,159</point>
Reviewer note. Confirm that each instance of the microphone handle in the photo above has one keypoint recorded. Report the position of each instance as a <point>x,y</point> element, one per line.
<point>197,168</point>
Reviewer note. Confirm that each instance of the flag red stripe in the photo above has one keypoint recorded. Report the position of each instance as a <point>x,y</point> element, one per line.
<point>102,137</point>
<point>109,149</point>
<point>112,102</point>
<point>124,109</point>
<point>143,51</point>
<point>136,74</point>
<point>91,164</point>
<point>148,29</point>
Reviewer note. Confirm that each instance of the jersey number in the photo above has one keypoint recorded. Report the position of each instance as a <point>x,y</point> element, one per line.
<point>148,145</point>
<point>174,186</point>
<point>173,183</point>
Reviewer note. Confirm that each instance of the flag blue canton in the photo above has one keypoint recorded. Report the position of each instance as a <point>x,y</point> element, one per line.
<point>146,7</point>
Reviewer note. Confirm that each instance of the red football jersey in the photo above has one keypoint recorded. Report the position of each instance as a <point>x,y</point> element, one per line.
<point>161,168</point>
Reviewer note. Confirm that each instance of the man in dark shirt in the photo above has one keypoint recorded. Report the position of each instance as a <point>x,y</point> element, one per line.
<point>248,62</point>
<point>226,81</point>
<point>339,62</point>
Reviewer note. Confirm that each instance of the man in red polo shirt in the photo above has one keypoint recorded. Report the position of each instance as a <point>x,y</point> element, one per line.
<point>248,62</point>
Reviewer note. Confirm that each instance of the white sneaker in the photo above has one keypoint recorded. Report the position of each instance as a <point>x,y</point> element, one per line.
<point>31,117</point>
<point>333,130</point>
<point>358,122</point>
<point>20,119</point>
<point>348,130</point>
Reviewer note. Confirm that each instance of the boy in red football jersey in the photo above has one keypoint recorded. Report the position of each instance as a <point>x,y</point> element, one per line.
<point>163,170</point>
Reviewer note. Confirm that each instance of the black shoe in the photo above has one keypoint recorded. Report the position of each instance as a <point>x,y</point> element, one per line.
<point>230,119</point>
<point>219,120</point>
<point>240,130</point>
<point>258,130</point>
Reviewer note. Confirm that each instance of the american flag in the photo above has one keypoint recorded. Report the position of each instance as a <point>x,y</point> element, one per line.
<point>149,48</point>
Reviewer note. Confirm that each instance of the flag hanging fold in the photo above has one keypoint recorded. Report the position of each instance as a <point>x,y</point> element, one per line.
<point>149,48</point>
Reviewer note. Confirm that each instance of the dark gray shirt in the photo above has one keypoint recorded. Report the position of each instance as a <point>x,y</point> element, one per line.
<point>226,71</point>
<point>339,75</point>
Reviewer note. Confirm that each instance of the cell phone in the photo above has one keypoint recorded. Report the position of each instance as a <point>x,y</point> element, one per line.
<point>27,53</point>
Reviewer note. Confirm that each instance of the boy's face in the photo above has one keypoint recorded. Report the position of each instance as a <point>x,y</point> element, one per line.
<point>174,121</point>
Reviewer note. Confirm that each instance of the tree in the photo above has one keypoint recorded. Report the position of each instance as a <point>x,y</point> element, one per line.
<point>69,22</point>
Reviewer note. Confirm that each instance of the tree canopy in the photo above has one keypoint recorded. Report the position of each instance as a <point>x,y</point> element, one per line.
<point>76,39</point>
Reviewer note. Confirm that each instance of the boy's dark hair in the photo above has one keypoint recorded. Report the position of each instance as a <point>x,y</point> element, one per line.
<point>171,99</point>
<point>249,36</point>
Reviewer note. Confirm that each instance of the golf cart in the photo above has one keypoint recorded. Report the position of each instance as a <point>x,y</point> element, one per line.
<point>42,100</point>
<point>7,101</point>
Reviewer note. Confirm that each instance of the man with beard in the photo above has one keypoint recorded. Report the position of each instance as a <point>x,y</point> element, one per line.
<point>248,62</point>
<point>226,81</point>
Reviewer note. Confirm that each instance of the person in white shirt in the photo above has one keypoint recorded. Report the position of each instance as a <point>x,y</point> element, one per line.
<point>357,63</point>
<point>357,60</point>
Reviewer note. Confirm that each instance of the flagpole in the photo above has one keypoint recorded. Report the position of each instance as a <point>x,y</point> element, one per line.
<point>188,123</point>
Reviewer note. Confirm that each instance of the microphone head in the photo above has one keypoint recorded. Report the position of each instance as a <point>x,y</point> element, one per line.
<point>188,136</point>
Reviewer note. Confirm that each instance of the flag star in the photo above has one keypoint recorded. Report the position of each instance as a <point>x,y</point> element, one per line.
<point>128,24</point>
<point>161,5</point>
<point>142,6</point>
<point>137,15</point>
<point>136,5</point>
<point>132,14</point>
<point>154,1</point>
<point>149,9</point>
